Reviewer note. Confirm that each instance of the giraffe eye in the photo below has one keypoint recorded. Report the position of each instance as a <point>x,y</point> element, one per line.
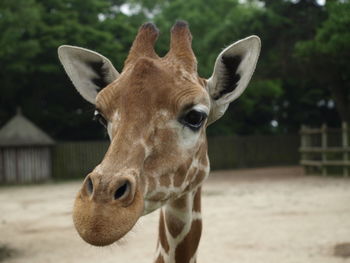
<point>98,117</point>
<point>193,119</point>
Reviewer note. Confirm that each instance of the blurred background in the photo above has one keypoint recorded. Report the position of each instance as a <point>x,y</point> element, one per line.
<point>302,76</point>
<point>291,121</point>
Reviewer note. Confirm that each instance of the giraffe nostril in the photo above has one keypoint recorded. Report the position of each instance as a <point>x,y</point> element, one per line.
<point>89,186</point>
<point>122,191</point>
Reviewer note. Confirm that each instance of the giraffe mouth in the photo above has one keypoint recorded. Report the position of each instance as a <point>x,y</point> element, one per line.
<point>101,223</point>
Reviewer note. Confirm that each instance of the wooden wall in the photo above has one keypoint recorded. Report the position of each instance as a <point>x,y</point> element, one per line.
<point>25,164</point>
<point>77,159</point>
<point>229,152</point>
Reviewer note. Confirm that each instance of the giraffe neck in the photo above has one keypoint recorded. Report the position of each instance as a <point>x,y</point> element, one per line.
<point>180,228</point>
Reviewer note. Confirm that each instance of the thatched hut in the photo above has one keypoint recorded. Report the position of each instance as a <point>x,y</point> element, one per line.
<point>25,152</point>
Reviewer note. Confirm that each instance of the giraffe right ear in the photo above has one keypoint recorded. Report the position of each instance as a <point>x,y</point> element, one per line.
<point>88,70</point>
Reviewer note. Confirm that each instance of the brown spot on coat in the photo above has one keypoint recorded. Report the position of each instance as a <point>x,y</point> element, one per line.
<point>178,179</point>
<point>179,203</point>
<point>165,180</point>
<point>188,247</point>
<point>175,225</point>
<point>160,259</point>
<point>181,173</point>
<point>198,179</point>
<point>152,184</point>
<point>191,176</point>
<point>197,201</point>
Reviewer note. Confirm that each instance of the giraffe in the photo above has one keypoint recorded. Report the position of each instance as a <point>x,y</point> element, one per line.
<point>155,112</point>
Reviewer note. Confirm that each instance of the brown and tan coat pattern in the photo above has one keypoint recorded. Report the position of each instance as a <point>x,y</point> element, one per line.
<point>155,111</point>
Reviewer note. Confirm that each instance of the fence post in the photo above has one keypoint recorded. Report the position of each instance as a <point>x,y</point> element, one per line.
<point>345,145</point>
<point>324,149</point>
<point>303,146</point>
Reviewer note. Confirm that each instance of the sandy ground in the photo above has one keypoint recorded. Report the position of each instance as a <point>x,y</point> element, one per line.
<point>254,215</point>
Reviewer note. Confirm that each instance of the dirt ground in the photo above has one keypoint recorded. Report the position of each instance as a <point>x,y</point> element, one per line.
<point>252,215</point>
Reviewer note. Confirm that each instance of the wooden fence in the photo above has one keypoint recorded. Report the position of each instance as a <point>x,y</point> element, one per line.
<point>325,150</point>
<point>77,159</point>
<point>229,152</point>
<point>25,164</point>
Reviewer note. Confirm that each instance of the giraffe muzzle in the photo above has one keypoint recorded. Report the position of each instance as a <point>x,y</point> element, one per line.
<point>106,208</point>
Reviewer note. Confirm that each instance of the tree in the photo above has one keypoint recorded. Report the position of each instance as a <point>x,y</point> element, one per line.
<point>327,56</point>
<point>303,60</point>
<point>32,76</point>
<point>283,24</point>
<point>19,21</point>
<point>51,98</point>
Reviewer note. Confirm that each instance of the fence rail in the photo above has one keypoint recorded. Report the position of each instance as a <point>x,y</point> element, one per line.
<point>325,150</point>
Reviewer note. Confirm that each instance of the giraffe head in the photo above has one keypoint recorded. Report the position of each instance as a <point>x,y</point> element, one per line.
<point>156,112</point>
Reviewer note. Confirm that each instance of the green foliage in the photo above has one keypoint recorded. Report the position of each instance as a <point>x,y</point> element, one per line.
<point>305,54</point>
<point>328,55</point>
<point>18,25</point>
<point>31,74</point>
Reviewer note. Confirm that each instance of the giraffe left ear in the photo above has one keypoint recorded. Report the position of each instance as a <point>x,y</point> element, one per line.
<point>233,70</point>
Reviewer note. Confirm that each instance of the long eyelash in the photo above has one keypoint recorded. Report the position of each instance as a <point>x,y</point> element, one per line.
<point>99,117</point>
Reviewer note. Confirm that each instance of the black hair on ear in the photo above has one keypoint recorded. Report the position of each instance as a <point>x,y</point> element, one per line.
<point>101,79</point>
<point>230,75</point>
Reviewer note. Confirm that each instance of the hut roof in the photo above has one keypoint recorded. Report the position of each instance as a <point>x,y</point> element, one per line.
<point>19,131</point>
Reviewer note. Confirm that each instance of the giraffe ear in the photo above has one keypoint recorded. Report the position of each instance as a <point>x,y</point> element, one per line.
<point>89,71</point>
<point>233,70</point>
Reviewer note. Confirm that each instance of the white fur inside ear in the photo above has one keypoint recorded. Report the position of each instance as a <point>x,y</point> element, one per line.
<point>247,50</point>
<point>244,52</point>
<point>88,70</point>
